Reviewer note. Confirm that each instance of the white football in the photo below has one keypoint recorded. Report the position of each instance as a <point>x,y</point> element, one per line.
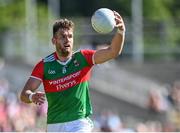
<point>103,20</point>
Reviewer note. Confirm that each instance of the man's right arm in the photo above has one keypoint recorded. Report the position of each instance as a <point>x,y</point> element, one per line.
<point>29,89</point>
<point>29,93</point>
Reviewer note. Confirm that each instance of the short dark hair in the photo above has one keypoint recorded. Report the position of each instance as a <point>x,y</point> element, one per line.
<point>62,24</point>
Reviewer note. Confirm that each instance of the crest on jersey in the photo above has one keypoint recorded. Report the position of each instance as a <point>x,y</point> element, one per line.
<point>76,63</point>
<point>64,70</point>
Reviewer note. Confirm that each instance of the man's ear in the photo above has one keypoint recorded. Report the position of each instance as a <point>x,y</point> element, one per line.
<point>53,40</point>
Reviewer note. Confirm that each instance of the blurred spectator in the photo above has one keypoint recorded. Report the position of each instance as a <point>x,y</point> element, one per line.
<point>174,105</point>
<point>168,127</point>
<point>157,106</point>
<point>114,122</point>
<point>157,102</point>
<point>109,121</point>
<point>154,126</point>
<point>141,127</point>
<point>4,125</point>
<point>174,95</point>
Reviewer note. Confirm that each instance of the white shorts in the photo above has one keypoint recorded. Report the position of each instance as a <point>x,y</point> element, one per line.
<point>80,125</point>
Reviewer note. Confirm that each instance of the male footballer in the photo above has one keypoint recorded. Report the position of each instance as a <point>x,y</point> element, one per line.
<point>65,75</point>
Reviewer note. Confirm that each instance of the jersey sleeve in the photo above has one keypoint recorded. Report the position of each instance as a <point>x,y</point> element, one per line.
<point>89,55</point>
<point>38,71</point>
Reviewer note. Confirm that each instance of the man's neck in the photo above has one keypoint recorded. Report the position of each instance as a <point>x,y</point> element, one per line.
<point>63,58</point>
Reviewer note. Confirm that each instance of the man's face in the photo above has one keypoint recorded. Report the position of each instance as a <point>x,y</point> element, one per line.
<point>63,41</point>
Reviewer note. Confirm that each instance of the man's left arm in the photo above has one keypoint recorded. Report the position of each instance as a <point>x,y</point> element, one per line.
<point>117,43</point>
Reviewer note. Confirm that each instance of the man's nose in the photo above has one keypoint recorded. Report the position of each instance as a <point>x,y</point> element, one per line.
<point>66,39</point>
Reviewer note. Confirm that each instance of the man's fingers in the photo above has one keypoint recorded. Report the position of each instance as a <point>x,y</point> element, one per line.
<point>116,14</point>
<point>119,20</point>
<point>39,98</point>
<point>39,102</point>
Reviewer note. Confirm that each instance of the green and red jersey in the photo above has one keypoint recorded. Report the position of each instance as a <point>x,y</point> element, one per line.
<point>66,85</point>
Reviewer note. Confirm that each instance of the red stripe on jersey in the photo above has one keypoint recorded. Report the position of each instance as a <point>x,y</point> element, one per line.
<point>38,70</point>
<point>68,81</point>
<point>88,54</point>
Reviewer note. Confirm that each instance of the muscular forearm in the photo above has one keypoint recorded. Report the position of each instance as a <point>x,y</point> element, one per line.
<point>117,43</point>
<point>29,94</point>
<point>118,40</point>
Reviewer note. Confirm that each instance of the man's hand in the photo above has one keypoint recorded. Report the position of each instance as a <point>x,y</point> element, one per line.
<point>119,23</point>
<point>38,97</point>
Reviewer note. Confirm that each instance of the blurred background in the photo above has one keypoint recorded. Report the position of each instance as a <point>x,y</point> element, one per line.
<point>139,91</point>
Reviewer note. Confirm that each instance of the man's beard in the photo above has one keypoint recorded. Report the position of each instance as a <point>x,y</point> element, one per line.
<point>64,53</point>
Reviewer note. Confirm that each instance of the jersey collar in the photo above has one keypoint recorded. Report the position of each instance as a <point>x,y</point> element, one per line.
<point>60,62</point>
